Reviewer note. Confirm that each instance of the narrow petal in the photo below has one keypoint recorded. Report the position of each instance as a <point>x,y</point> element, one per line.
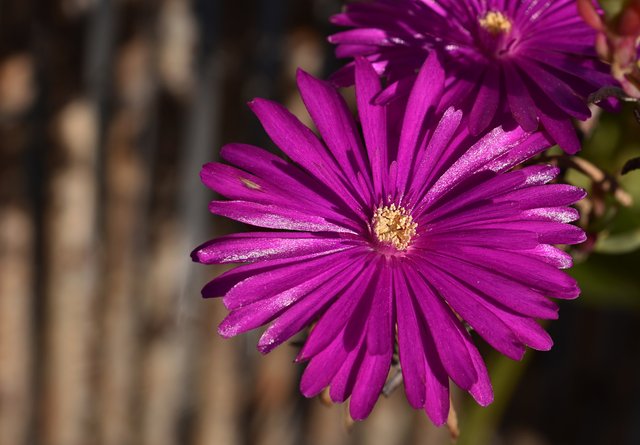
<point>492,186</point>
<point>464,302</point>
<point>323,367</point>
<point>481,391</point>
<point>528,331</point>
<point>522,268</point>
<point>562,131</point>
<point>343,382</point>
<point>355,299</point>
<point>250,316</point>
<point>301,145</point>
<point>364,371</point>
<point>302,313</point>
<point>486,102</point>
<point>411,355</point>
<point>424,96</point>
<point>368,385</point>
<point>273,217</point>
<point>501,290</point>
<point>361,36</point>
<point>222,284</point>
<point>559,92</point>
<point>520,102</point>
<point>286,176</point>
<point>428,157</point>
<point>529,147</point>
<point>551,255</point>
<point>254,246</point>
<point>544,232</point>
<point>551,195</point>
<point>555,214</point>
<point>443,327</point>
<point>437,402</point>
<point>487,149</point>
<point>399,88</point>
<point>271,282</point>
<point>374,123</point>
<point>486,237</point>
<point>336,126</point>
<point>379,332</point>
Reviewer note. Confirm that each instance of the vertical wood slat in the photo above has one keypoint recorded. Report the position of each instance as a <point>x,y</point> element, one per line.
<point>274,398</point>
<point>216,392</point>
<point>220,392</point>
<point>71,259</point>
<point>185,370</point>
<point>126,177</point>
<point>166,361</point>
<point>388,423</point>
<point>162,368</point>
<point>18,93</point>
<point>16,299</point>
<point>71,234</point>
<point>119,340</point>
<point>326,424</point>
<point>16,277</point>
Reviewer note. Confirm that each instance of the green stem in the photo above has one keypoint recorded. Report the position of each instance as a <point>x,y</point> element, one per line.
<point>478,424</point>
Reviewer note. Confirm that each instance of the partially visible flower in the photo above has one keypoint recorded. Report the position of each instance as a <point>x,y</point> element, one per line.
<point>618,41</point>
<point>387,243</point>
<point>534,60</point>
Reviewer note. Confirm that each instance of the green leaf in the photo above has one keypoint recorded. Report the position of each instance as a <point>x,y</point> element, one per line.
<point>612,7</point>
<point>609,281</point>
<point>618,243</point>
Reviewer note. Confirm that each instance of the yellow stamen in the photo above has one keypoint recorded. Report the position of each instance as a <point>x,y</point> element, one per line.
<point>393,225</point>
<point>495,22</point>
<point>250,184</point>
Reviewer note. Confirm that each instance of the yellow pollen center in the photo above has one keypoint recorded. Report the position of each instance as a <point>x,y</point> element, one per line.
<point>393,225</point>
<point>495,22</point>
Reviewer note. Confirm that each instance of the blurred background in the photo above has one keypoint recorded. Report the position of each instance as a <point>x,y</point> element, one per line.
<point>107,111</point>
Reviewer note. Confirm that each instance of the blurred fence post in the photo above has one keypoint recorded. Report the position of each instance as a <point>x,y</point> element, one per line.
<point>72,258</point>
<point>17,239</point>
<point>71,235</point>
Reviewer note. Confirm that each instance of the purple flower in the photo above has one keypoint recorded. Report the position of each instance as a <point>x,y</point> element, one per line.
<point>389,241</point>
<point>532,59</point>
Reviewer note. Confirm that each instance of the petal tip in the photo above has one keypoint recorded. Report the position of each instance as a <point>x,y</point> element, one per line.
<point>267,343</point>
<point>226,330</point>
<point>302,76</point>
<point>195,256</point>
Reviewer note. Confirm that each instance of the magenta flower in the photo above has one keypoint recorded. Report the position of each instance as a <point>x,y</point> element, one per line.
<point>385,243</point>
<point>531,59</point>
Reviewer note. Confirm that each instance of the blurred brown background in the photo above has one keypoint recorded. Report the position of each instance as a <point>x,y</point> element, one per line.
<point>107,111</point>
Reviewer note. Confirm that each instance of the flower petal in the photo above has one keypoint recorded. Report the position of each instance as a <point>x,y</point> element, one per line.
<point>336,126</point>
<point>273,281</point>
<point>424,96</point>
<point>273,217</point>
<point>445,330</point>
<point>254,246</point>
<point>302,313</point>
<point>302,146</point>
<point>374,124</point>
<point>354,303</point>
<point>486,102</point>
<point>464,302</point>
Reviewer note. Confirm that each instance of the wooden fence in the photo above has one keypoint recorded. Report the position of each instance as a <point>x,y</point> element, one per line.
<point>107,111</point>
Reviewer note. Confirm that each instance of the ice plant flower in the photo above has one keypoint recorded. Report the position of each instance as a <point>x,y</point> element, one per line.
<point>618,41</point>
<point>389,242</point>
<point>532,59</point>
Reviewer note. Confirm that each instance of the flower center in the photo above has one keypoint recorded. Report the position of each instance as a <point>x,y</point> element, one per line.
<point>393,225</point>
<point>495,22</point>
